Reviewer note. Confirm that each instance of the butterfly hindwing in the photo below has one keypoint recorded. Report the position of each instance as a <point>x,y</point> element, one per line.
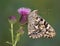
<point>38,27</point>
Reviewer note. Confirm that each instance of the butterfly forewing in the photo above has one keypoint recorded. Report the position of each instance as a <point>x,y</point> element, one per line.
<point>38,27</point>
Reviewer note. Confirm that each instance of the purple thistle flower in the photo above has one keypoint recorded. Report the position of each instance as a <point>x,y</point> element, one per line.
<point>12,19</point>
<point>24,12</point>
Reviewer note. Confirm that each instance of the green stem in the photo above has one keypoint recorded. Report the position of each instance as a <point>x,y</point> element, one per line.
<point>12,35</point>
<point>17,39</point>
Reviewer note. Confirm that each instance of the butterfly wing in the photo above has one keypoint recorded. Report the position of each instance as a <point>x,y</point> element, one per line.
<point>38,27</point>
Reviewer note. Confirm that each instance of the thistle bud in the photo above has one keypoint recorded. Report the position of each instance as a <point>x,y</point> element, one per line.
<point>21,31</point>
<point>12,19</point>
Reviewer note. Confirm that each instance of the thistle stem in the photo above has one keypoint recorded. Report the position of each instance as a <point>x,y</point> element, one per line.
<point>12,35</point>
<point>17,39</point>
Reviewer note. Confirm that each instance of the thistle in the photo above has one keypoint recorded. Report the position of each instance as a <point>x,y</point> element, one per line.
<point>24,12</point>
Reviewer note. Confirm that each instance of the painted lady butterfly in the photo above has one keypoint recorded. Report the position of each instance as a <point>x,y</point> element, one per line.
<point>38,27</point>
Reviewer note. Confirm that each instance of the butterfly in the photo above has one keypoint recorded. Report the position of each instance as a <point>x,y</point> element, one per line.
<point>38,27</point>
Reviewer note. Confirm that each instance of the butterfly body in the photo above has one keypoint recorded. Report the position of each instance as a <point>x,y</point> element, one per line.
<point>38,27</point>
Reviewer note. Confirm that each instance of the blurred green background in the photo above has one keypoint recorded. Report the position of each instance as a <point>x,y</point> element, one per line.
<point>48,9</point>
